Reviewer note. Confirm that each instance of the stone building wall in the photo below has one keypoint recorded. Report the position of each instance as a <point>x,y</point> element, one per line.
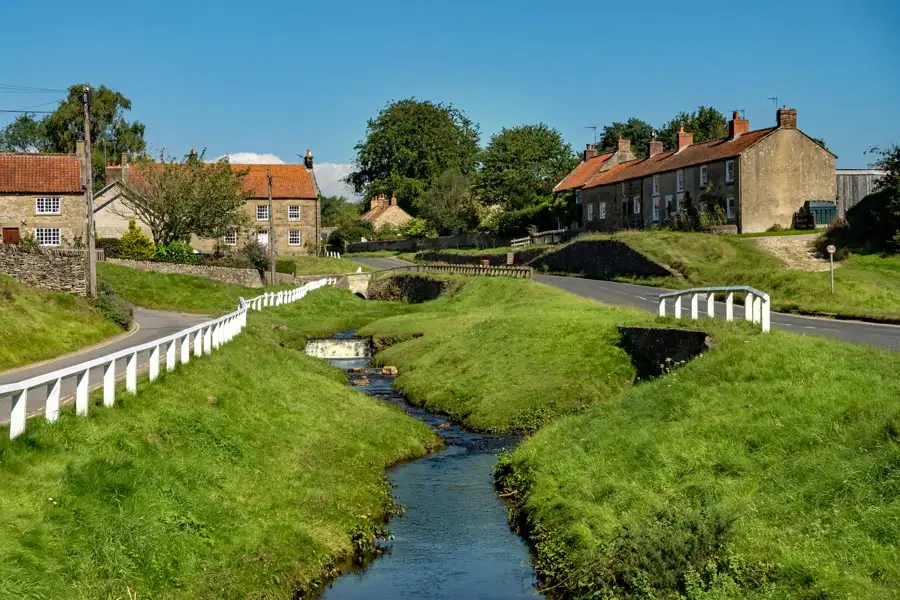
<point>244,277</point>
<point>45,269</point>
<point>19,211</point>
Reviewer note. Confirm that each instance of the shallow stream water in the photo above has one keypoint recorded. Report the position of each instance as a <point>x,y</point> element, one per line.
<point>453,541</point>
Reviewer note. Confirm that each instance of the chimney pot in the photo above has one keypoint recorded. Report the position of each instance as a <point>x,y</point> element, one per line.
<point>308,160</point>
<point>685,139</point>
<point>656,147</point>
<point>737,125</point>
<point>590,151</point>
<point>787,117</point>
<point>393,201</point>
<point>624,144</point>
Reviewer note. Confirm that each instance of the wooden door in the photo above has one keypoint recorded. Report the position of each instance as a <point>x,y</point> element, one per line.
<point>10,235</point>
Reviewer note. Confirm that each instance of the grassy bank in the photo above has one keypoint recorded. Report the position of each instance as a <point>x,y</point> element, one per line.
<point>246,474</point>
<point>767,468</point>
<point>38,325</point>
<point>320,265</point>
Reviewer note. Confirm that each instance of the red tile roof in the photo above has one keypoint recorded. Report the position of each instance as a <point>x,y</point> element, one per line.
<point>695,154</point>
<point>40,174</point>
<point>580,174</point>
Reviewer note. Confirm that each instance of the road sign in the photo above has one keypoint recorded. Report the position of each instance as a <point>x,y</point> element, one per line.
<point>831,249</point>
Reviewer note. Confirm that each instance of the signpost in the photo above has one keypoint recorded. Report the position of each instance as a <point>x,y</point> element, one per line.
<point>831,249</point>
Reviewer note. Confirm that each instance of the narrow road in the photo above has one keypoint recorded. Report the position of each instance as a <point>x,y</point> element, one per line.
<point>154,324</point>
<point>645,298</point>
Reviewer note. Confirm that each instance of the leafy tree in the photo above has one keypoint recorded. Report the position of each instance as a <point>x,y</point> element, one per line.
<point>336,209</point>
<point>521,165</point>
<point>25,134</point>
<point>350,232</point>
<point>418,228</point>
<point>889,162</point>
<point>449,205</point>
<point>179,198</point>
<point>408,145</point>
<point>706,123</point>
<point>639,132</point>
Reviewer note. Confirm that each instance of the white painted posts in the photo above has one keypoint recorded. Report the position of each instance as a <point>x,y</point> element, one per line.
<point>695,306</point>
<point>662,307</point>
<point>710,305</point>
<point>131,374</point>
<point>153,369</point>
<point>757,304</point>
<point>766,323</point>
<point>729,306</point>
<point>51,408</point>
<point>18,413</point>
<point>109,383</point>
<point>81,393</point>
<point>678,307</point>
<point>171,349</point>
<point>748,307</point>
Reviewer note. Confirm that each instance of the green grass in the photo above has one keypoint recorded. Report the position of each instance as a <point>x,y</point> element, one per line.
<point>865,286</point>
<point>39,325</point>
<point>319,265</point>
<point>767,468</point>
<point>245,474</point>
<point>779,233</point>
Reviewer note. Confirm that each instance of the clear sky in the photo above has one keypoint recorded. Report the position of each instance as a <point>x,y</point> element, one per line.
<point>279,77</point>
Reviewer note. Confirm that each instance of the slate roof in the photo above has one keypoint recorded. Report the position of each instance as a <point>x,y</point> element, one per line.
<point>40,174</point>
<point>580,174</point>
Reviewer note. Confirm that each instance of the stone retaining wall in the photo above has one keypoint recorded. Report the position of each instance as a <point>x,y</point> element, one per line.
<point>245,277</point>
<point>47,270</point>
<point>601,259</point>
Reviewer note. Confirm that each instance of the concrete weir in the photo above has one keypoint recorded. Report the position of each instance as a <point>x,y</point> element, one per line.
<point>339,348</point>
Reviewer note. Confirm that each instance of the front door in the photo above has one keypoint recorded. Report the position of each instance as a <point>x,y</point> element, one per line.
<point>10,235</point>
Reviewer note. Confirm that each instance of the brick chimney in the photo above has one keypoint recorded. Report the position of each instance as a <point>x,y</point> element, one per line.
<point>737,125</point>
<point>656,147</point>
<point>79,148</point>
<point>624,144</point>
<point>379,201</point>
<point>590,151</point>
<point>308,160</point>
<point>393,201</point>
<point>124,159</point>
<point>685,139</point>
<point>787,117</point>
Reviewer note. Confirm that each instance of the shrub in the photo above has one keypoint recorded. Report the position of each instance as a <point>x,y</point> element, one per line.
<point>256,255</point>
<point>28,243</point>
<point>112,247</point>
<point>176,252</point>
<point>285,266</point>
<point>112,306</point>
<point>516,223</point>
<point>135,245</point>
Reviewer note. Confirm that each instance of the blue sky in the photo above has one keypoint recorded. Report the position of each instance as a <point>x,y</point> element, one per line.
<point>279,77</point>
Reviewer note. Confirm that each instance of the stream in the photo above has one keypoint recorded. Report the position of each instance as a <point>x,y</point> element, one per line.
<point>453,541</point>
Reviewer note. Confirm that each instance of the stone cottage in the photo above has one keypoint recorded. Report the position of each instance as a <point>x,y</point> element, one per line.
<point>385,213</point>
<point>42,195</point>
<point>757,178</point>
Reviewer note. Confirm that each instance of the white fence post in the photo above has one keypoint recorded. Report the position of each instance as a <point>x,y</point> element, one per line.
<point>171,349</point>
<point>131,374</point>
<point>153,370</point>
<point>678,307</point>
<point>766,315</point>
<point>207,340</point>
<point>662,307</point>
<point>198,342</point>
<point>729,306</point>
<point>81,393</point>
<point>695,306</point>
<point>109,383</point>
<point>51,406</point>
<point>710,305</point>
<point>17,414</point>
<point>757,309</point>
<point>748,307</point>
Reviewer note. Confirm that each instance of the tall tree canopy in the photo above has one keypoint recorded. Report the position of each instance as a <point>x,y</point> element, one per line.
<point>706,123</point>
<point>638,131</point>
<point>111,134</point>
<point>521,165</point>
<point>338,209</point>
<point>449,205</point>
<point>408,145</point>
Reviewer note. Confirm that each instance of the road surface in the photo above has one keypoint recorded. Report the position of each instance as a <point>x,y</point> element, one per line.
<point>645,297</point>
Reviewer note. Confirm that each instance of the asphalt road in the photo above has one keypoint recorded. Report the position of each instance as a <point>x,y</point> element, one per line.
<point>154,324</point>
<point>645,298</point>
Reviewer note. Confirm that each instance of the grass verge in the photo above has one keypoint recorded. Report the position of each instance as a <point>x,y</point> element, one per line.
<point>320,265</point>
<point>245,474</point>
<point>768,467</point>
<point>39,325</point>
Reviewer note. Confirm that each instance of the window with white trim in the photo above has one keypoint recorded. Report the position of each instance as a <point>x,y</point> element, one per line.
<point>47,236</point>
<point>729,207</point>
<point>590,211</point>
<point>655,185</point>
<point>230,238</point>
<point>293,213</point>
<point>729,171</point>
<point>601,211</point>
<point>679,180</point>
<point>669,204</point>
<point>655,215</point>
<point>262,212</point>
<point>46,206</point>
<point>262,236</point>
<point>294,237</point>
<point>704,176</point>
<point>636,202</point>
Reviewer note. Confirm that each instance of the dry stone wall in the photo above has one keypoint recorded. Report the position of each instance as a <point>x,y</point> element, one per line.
<point>45,269</point>
<point>245,277</point>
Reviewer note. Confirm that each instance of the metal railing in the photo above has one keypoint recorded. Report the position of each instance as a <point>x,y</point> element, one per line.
<point>757,304</point>
<point>515,272</point>
<point>197,340</point>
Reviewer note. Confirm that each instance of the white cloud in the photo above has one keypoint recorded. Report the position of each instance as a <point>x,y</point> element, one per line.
<point>330,177</point>
<point>252,158</point>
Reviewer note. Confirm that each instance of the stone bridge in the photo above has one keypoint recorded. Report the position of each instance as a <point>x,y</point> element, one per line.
<point>358,283</point>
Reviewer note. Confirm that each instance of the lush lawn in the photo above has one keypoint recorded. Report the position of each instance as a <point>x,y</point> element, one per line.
<point>767,468</point>
<point>779,233</point>
<point>245,474</point>
<point>38,325</point>
<point>865,286</point>
<point>320,265</point>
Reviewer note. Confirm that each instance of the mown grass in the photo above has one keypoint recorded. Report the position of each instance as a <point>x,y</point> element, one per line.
<point>320,265</point>
<point>779,233</point>
<point>245,474</point>
<point>767,468</point>
<point>865,286</point>
<point>39,325</point>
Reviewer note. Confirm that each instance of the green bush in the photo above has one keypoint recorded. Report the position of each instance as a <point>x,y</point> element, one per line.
<point>135,245</point>
<point>286,266</point>
<point>256,255</point>
<point>517,223</point>
<point>113,307</point>
<point>112,247</point>
<point>176,252</point>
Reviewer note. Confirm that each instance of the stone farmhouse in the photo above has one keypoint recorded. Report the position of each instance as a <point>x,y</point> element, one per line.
<point>42,195</point>
<point>295,205</point>
<point>758,178</point>
<point>385,213</point>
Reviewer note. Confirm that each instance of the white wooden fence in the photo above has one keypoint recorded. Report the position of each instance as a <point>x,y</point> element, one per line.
<point>197,340</point>
<point>757,305</point>
<point>331,254</point>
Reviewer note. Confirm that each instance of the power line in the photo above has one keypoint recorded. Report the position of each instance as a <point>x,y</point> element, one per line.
<point>37,112</point>
<point>24,89</point>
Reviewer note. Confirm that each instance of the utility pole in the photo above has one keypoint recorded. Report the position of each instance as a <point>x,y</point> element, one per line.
<point>272,242</point>
<point>89,194</point>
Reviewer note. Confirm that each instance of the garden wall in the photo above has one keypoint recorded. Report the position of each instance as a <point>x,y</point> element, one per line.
<point>45,269</point>
<point>245,277</point>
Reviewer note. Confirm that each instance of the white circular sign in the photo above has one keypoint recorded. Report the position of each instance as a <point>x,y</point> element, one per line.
<point>831,248</point>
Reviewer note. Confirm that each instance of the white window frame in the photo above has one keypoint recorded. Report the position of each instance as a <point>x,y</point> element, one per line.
<point>655,215</point>
<point>656,185</point>
<point>729,171</point>
<point>40,205</point>
<point>590,211</point>
<point>47,236</point>
<point>704,176</point>
<point>262,209</point>
<point>291,237</point>
<point>636,205</point>
<point>230,238</point>
<point>679,180</point>
<point>729,208</point>
<point>294,212</point>
<point>263,241</point>
<point>601,211</point>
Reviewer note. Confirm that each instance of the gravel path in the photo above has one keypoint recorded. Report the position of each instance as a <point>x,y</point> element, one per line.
<point>795,251</point>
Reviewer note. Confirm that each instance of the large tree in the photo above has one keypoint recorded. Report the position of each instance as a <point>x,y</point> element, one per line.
<point>638,131</point>
<point>449,205</point>
<point>706,123</point>
<point>337,209</point>
<point>408,145</point>
<point>179,198</point>
<point>111,134</point>
<point>521,165</point>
